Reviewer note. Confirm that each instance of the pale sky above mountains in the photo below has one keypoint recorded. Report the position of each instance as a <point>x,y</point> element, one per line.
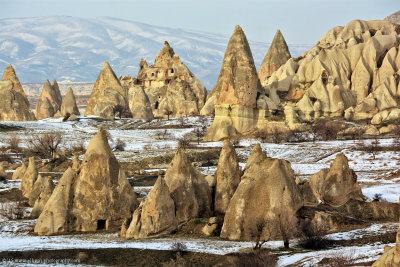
<point>301,21</point>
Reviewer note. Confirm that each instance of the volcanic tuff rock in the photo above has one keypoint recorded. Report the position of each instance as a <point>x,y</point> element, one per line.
<point>14,105</point>
<point>108,97</point>
<point>336,185</point>
<point>267,195</point>
<point>256,156</point>
<point>3,173</point>
<point>228,177</point>
<point>235,94</point>
<point>155,215</point>
<point>49,101</point>
<point>139,104</point>
<point>353,71</point>
<point>68,105</point>
<point>36,190</point>
<point>170,86</point>
<point>391,256</point>
<point>45,194</point>
<point>188,188</point>
<point>277,55</point>
<point>394,18</point>
<point>29,178</point>
<point>96,197</point>
<point>20,171</point>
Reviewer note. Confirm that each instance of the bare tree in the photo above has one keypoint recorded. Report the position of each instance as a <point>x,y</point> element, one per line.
<point>258,233</point>
<point>45,145</point>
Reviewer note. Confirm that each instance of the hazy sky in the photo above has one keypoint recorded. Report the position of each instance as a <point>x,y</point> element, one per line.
<point>301,21</point>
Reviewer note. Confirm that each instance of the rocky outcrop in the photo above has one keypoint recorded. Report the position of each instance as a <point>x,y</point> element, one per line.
<point>235,94</point>
<point>391,255</point>
<point>266,196</point>
<point>170,86</point>
<point>108,98</point>
<point>155,215</point>
<point>336,185</point>
<point>97,197</point>
<point>29,178</point>
<point>228,177</point>
<point>68,105</point>
<point>352,72</point>
<point>45,194</point>
<point>14,105</point>
<point>394,18</point>
<point>37,188</point>
<point>277,55</point>
<point>140,104</point>
<point>49,102</point>
<point>188,188</point>
<point>256,156</point>
<point>20,171</point>
<point>3,174</point>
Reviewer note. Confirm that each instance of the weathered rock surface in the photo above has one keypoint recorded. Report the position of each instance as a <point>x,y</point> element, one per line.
<point>14,105</point>
<point>267,195</point>
<point>19,172</point>
<point>29,178</point>
<point>394,18</point>
<point>49,102</point>
<point>140,104</point>
<point>235,94</point>
<point>256,156</point>
<point>391,256</point>
<point>37,188</point>
<point>336,185</point>
<point>155,215</point>
<point>3,174</point>
<point>68,105</point>
<point>188,188</point>
<point>277,55</point>
<point>228,177</point>
<point>170,86</point>
<point>45,194</point>
<point>97,197</point>
<point>108,97</point>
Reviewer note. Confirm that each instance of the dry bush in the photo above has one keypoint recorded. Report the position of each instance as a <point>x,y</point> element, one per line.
<point>258,234</point>
<point>184,142</point>
<point>119,145</point>
<point>339,259</point>
<point>13,142</point>
<point>162,134</point>
<point>370,147</point>
<point>45,145</point>
<point>179,261</point>
<point>314,236</point>
<point>66,117</point>
<point>258,258</point>
<point>326,129</point>
<point>12,210</point>
<point>262,135</point>
<point>5,157</point>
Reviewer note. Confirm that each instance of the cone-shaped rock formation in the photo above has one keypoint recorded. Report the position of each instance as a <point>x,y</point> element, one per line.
<point>29,178</point>
<point>14,105</point>
<point>108,97</point>
<point>188,188</point>
<point>45,194</point>
<point>49,101</point>
<point>277,55</point>
<point>99,196</point>
<point>235,94</point>
<point>68,105</point>
<point>228,177</point>
<point>256,156</point>
<point>139,104</point>
<point>391,256</point>
<point>336,185</point>
<point>266,196</point>
<point>155,215</point>
<point>20,171</point>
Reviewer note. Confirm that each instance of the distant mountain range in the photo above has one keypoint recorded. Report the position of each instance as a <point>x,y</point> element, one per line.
<point>74,49</point>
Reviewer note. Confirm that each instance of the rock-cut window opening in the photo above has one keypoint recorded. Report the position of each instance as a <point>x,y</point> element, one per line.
<point>156,105</point>
<point>101,224</point>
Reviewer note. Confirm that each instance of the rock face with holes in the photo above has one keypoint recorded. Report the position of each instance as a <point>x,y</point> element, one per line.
<point>277,55</point>
<point>108,98</point>
<point>391,255</point>
<point>29,178</point>
<point>228,177</point>
<point>171,88</point>
<point>14,105</point>
<point>352,72</point>
<point>267,197</point>
<point>97,196</point>
<point>188,188</point>
<point>235,94</point>
<point>68,105</point>
<point>156,214</point>
<point>336,185</point>
<point>49,102</point>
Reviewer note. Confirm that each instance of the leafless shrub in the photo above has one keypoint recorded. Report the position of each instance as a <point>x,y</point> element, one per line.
<point>184,142</point>
<point>370,147</point>
<point>262,135</point>
<point>11,210</point>
<point>179,261</point>
<point>178,247</point>
<point>258,233</point>
<point>339,259</point>
<point>199,133</point>
<point>162,134</point>
<point>66,117</point>
<point>326,129</point>
<point>119,145</point>
<point>258,258</point>
<point>314,236</point>
<point>5,157</point>
<point>45,145</point>
<point>13,142</point>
